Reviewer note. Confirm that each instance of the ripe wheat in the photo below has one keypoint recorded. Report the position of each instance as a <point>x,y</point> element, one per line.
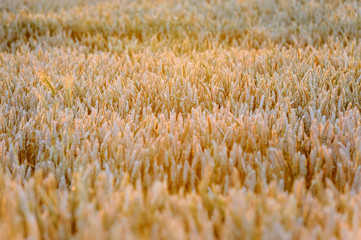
<point>180,119</point>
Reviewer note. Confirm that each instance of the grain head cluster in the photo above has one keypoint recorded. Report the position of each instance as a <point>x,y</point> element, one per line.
<point>124,119</point>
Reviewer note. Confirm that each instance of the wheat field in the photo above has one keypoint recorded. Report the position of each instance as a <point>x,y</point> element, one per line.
<point>180,119</point>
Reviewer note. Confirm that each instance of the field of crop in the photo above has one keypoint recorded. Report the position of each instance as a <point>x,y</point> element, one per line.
<point>124,119</point>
